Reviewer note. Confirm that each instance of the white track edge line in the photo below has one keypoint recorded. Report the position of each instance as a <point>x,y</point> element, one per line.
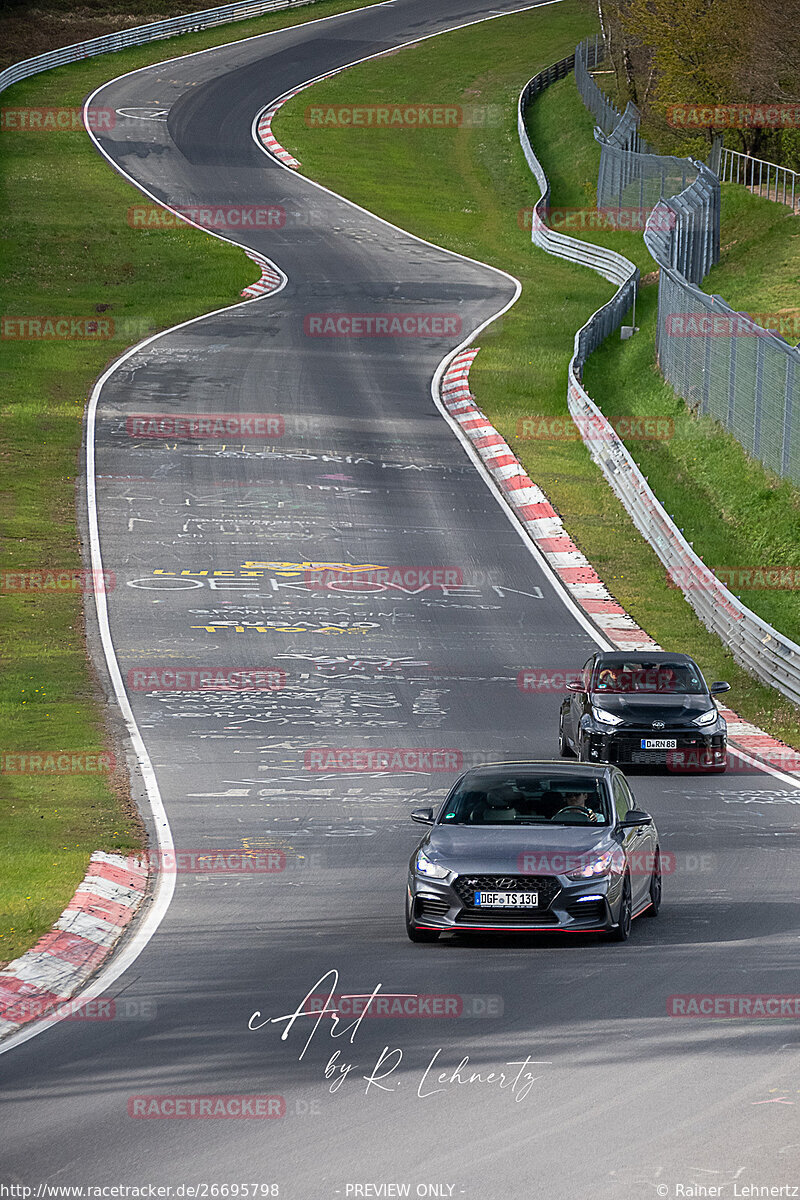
<point>165,881</point>
<point>165,885</point>
<point>164,890</point>
<point>557,583</point>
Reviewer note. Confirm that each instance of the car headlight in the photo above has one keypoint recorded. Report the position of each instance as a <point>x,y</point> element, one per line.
<point>706,718</point>
<point>610,862</point>
<point>424,866</point>
<point>605,718</point>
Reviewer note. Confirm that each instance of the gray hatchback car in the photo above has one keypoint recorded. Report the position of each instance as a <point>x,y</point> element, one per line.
<point>534,847</point>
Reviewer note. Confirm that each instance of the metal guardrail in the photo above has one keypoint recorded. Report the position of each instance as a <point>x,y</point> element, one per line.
<point>140,35</point>
<point>743,373</point>
<point>771,657</point>
<point>764,178</point>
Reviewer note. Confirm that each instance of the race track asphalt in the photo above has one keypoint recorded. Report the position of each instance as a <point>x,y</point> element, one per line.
<point>623,1099</point>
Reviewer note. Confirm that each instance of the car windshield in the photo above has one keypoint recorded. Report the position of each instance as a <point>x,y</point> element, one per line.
<point>660,678</point>
<point>526,800</point>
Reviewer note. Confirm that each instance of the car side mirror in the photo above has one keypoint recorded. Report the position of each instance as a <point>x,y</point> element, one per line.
<point>716,688</point>
<point>634,817</point>
<point>423,816</point>
<point>575,685</point>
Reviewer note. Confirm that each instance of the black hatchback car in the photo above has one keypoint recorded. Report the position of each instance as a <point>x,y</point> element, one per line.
<point>534,847</point>
<point>644,709</point>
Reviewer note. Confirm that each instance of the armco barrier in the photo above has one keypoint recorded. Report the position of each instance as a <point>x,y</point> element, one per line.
<point>141,34</point>
<point>743,375</point>
<point>771,657</point>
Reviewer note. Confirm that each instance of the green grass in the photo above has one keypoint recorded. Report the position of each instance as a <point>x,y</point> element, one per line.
<point>733,511</point>
<point>109,15</point>
<point>66,249</point>
<point>463,189</point>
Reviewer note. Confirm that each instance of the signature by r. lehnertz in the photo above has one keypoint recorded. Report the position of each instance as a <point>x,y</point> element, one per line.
<point>384,1074</point>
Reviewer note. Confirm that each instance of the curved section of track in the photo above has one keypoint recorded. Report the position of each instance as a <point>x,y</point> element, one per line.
<point>210,538</point>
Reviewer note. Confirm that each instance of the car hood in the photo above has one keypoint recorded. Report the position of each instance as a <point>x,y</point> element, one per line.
<point>644,709</point>
<point>495,849</point>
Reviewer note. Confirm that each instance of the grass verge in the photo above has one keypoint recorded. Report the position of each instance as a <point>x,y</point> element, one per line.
<point>733,511</point>
<point>66,249</point>
<point>468,189</point>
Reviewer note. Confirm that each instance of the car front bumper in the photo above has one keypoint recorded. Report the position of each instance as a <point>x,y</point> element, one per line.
<point>694,750</point>
<point>588,906</point>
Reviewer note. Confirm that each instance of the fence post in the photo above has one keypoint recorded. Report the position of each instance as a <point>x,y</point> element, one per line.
<point>715,156</point>
<point>732,382</point>
<point>758,398</point>
<point>706,377</point>
<point>788,405</point>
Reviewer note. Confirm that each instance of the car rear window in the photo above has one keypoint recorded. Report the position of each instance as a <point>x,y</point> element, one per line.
<point>527,800</point>
<point>659,678</point>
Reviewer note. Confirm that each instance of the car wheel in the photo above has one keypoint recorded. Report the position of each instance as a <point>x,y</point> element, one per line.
<point>655,888</point>
<point>564,748</point>
<point>419,935</point>
<point>623,929</point>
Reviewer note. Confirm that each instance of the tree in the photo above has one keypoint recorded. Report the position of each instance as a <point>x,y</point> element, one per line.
<point>709,53</point>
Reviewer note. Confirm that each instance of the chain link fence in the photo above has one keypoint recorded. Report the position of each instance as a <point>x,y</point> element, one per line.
<point>742,372</point>
<point>768,654</point>
<point>633,177</point>
<point>587,57</point>
<point>683,232</point>
<point>731,369</point>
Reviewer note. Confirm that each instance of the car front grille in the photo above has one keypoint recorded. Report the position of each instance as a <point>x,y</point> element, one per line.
<point>547,886</point>
<point>627,747</point>
<point>505,916</point>
<point>645,757</point>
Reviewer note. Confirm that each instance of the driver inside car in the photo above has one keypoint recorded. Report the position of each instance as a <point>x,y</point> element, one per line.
<point>577,803</point>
